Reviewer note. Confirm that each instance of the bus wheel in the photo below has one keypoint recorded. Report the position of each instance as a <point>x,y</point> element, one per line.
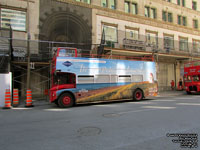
<point>137,95</point>
<point>189,93</point>
<point>66,100</point>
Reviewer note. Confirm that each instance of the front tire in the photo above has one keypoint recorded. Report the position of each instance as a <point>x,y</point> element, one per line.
<point>137,95</point>
<point>66,100</point>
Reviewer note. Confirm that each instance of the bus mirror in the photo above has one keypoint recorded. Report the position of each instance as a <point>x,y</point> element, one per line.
<point>56,71</point>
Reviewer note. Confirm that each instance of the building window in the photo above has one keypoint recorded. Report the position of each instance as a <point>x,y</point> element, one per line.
<point>183,44</point>
<point>167,16</point>
<point>170,17</point>
<point>164,16</point>
<point>151,38</point>
<point>194,5</point>
<point>110,33</point>
<point>179,20</point>
<point>153,13</point>
<point>132,34</point>
<point>104,3</point>
<point>147,12</point>
<point>195,24</point>
<point>14,18</point>
<point>196,46</point>
<point>150,12</point>
<point>85,1</point>
<point>181,2</point>
<point>127,7</point>
<point>113,4</point>
<point>178,2</point>
<point>182,20</point>
<point>134,8</point>
<point>168,42</point>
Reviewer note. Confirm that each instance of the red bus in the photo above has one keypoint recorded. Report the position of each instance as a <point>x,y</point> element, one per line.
<point>192,77</point>
<point>90,79</point>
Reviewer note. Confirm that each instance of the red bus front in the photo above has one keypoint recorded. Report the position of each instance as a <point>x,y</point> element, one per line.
<point>192,77</point>
<point>61,80</point>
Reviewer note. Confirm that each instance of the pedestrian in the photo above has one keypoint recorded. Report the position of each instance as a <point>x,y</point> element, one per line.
<point>180,84</point>
<point>172,85</point>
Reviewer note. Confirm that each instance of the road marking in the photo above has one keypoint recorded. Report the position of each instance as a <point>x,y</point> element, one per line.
<point>192,104</point>
<point>184,97</point>
<point>135,111</point>
<point>21,108</point>
<point>141,110</point>
<point>158,107</point>
<point>142,102</point>
<point>106,105</point>
<point>165,100</point>
<point>60,109</point>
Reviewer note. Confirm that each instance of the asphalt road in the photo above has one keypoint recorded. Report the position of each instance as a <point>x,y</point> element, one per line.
<point>144,125</point>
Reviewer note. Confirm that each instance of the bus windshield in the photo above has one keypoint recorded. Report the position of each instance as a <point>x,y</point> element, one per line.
<point>187,79</point>
<point>65,52</point>
<point>196,78</point>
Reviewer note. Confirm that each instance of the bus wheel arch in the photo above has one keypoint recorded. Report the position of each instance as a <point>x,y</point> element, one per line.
<point>138,94</point>
<point>66,99</point>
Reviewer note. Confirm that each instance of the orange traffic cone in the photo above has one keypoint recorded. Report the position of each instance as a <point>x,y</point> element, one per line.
<point>28,98</point>
<point>7,99</point>
<point>15,97</point>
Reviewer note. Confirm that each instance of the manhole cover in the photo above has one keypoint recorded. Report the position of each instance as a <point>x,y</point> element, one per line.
<point>111,115</point>
<point>89,131</point>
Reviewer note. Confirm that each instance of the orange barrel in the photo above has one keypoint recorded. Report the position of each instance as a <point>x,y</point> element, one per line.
<point>7,99</point>
<point>15,97</point>
<point>29,102</point>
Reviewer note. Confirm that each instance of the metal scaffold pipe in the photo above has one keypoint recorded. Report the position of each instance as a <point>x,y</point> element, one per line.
<point>28,48</point>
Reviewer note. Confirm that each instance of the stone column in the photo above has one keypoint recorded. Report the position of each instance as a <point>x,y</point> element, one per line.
<point>120,5</point>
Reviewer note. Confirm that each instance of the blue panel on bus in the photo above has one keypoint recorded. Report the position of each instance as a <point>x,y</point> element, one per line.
<point>95,66</point>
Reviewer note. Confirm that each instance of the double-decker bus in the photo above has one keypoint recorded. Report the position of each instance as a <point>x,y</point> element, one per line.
<point>79,80</point>
<point>192,77</point>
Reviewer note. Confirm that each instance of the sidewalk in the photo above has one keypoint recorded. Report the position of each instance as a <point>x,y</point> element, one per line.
<point>171,93</point>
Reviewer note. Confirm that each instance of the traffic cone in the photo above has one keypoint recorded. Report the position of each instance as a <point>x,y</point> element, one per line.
<point>7,99</point>
<point>29,98</point>
<point>15,97</point>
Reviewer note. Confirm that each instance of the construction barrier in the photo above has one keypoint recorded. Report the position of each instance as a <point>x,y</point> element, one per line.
<point>29,102</point>
<point>7,99</point>
<point>15,98</point>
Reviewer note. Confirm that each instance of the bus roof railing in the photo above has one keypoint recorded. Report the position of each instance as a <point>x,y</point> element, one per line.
<point>121,57</point>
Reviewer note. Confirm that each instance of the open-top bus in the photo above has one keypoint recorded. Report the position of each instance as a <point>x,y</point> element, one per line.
<point>79,80</point>
<point>192,77</point>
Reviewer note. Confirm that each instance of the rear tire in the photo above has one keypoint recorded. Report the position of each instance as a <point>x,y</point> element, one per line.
<point>66,100</point>
<point>137,95</point>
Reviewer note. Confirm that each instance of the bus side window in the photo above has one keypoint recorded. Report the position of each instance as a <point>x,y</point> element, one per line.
<point>124,78</point>
<point>137,78</point>
<point>85,79</point>
<point>188,78</point>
